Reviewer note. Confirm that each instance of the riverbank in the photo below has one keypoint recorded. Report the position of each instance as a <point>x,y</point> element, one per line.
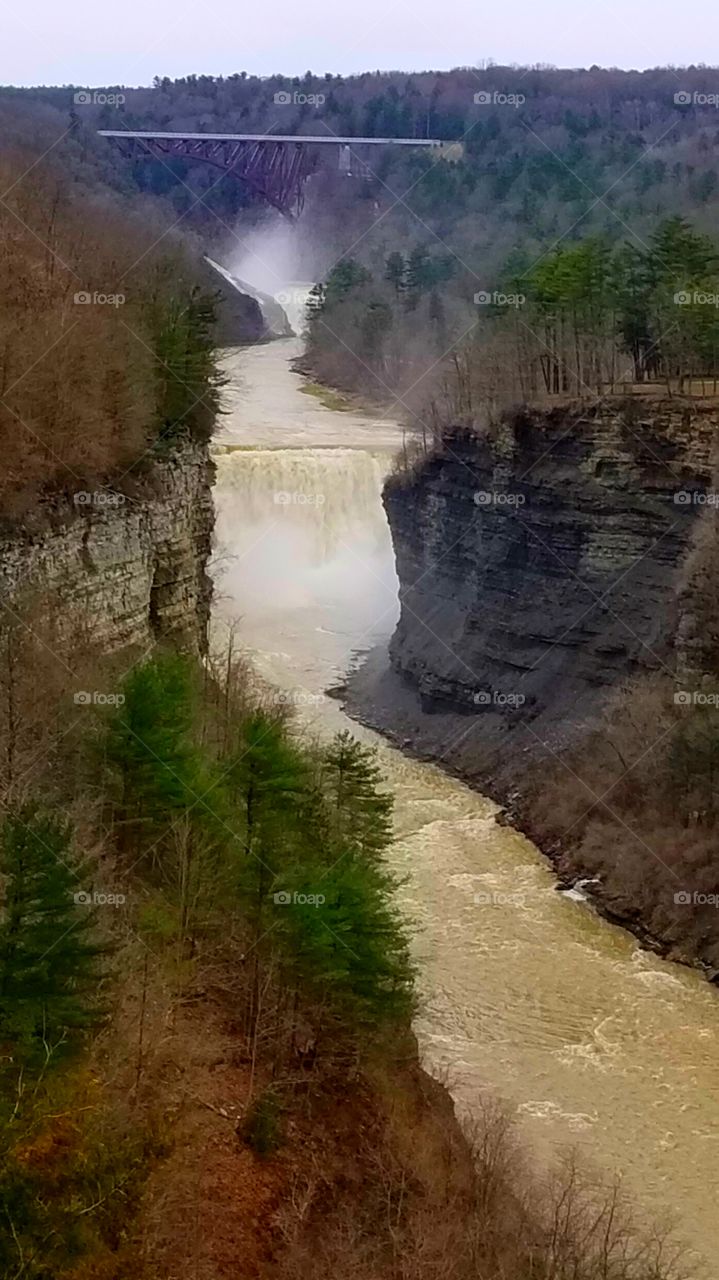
<point>374,695</point>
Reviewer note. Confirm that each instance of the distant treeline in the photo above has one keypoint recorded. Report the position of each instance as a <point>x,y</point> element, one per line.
<point>576,319</point>
<point>546,145</point>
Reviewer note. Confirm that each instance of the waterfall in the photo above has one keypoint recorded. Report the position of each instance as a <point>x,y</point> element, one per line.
<point>307,530</point>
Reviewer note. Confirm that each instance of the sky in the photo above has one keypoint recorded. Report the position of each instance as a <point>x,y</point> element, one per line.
<point>87,43</point>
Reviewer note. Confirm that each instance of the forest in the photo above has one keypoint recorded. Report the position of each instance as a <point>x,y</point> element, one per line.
<point>594,147</point>
<point>203,974</point>
<point>582,320</point>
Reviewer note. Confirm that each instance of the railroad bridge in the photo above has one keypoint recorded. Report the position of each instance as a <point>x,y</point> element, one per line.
<point>274,166</point>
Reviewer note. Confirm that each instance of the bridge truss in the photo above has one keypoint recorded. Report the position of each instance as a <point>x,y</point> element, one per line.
<point>274,166</point>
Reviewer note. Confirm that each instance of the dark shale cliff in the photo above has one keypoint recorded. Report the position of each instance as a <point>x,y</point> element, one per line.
<point>541,564</point>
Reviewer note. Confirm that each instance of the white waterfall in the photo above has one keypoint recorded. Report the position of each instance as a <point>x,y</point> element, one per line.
<point>307,531</point>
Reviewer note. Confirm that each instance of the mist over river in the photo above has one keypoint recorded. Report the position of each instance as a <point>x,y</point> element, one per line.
<point>527,993</point>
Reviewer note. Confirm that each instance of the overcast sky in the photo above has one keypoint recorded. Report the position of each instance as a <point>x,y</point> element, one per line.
<point>89,43</point>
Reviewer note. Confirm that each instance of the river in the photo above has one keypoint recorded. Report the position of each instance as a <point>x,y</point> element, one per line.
<point>526,992</point>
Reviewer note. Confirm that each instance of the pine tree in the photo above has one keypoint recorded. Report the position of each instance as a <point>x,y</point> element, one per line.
<point>187,377</point>
<point>351,951</point>
<point>149,744</point>
<point>48,959</point>
<point>361,814</point>
<point>394,272</point>
<point>419,275</point>
<point>267,780</point>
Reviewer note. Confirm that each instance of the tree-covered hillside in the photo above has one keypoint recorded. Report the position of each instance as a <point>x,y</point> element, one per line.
<point>541,144</point>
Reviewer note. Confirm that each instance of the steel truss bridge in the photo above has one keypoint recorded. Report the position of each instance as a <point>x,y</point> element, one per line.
<point>274,166</point>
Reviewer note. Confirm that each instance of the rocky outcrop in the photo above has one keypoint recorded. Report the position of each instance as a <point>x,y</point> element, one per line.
<point>133,566</point>
<point>244,315</point>
<point>238,316</point>
<point>540,565</point>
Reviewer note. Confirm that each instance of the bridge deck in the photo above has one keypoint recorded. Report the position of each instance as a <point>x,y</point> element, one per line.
<point>272,137</point>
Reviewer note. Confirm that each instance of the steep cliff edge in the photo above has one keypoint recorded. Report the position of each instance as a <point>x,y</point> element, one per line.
<point>133,567</point>
<point>541,564</point>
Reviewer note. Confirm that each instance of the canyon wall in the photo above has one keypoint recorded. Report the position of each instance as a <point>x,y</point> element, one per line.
<point>135,567</point>
<point>541,564</point>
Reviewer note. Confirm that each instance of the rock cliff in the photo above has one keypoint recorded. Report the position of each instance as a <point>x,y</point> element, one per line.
<point>541,564</point>
<point>134,566</point>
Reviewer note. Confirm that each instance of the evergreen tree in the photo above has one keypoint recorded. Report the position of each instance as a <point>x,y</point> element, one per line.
<point>419,275</point>
<point>394,274</point>
<point>160,772</point>
<point>351,951</point>
<point>48,959</point>
<point>679,256</point>
<point>187,376</point>
<point>343,278</point>
<point>360,813</point>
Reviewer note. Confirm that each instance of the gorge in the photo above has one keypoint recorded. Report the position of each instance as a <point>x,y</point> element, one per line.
<point>359,671</point>
<point>526,991</point>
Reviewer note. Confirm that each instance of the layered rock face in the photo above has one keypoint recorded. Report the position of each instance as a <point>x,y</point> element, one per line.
<point>133,567</point>
<point>540,566</point>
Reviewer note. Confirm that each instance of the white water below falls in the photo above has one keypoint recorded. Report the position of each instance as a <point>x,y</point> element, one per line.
<point>526,992</point>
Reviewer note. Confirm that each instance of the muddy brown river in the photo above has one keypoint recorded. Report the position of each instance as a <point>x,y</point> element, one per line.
<point>527,993</point>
